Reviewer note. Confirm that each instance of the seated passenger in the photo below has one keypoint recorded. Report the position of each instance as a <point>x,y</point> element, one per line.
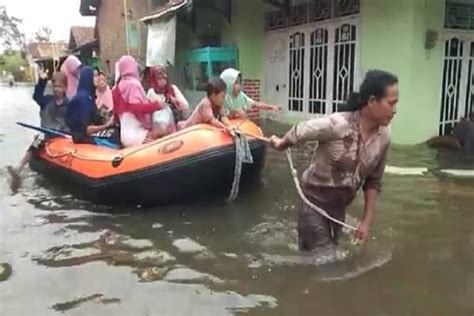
<point>237,102</point>
<point>176,105</point>
<point>211,109</point>
<point>131,106</point>
<point>103,94</point>
<point>83,118</point>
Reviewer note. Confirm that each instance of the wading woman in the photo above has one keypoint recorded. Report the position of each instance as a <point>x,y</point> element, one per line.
<point>351,153</point>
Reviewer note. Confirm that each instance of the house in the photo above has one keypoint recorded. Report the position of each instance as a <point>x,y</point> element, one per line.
<point>48,55</point>
<point>118,33</point>
<point>308,55</point>
<point>83,43</point>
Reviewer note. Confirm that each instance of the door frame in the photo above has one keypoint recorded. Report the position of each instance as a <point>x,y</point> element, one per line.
<point>332,25</point>
<point>467,36</point>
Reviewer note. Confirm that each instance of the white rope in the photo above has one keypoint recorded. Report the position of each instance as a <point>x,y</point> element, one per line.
<point>294,174</point>
<point>243,154</point>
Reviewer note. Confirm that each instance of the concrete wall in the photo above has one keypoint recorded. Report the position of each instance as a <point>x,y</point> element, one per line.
<point>393,39</point>
<point>244,32</point>
<point>111,30</point>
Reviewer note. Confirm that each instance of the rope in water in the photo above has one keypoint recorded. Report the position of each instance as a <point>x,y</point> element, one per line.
<point>294,174</point>
<point>243,154</point>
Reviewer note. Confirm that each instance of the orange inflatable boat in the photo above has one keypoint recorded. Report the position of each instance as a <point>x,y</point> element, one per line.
<point>188,164</point>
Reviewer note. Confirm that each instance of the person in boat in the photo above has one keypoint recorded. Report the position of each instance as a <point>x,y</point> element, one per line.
<point>82,116</point>
<point>71,68</point>
<point>211,108</point>
<point>103,95</point>
<point>163,91</point>
<point>131,106</point>
<point>52,116</point>
<point>351,153</point>
<point>237,102</point>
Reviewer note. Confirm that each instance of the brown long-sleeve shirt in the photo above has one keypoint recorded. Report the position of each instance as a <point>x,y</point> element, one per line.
<point>342,160</point>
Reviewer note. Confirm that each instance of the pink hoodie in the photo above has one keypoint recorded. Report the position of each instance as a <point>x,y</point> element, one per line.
<point>69,68</point>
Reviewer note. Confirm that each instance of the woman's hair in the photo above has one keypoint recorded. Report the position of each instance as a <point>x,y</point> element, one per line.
<point>374,84</point>
<point>99,72</point>
<point>215,86</point>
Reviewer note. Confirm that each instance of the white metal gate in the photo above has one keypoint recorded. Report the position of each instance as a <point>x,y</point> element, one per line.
<point>323,62</point>
<point>457,94</point>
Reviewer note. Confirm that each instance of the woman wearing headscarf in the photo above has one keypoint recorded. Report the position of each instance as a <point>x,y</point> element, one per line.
<point>177,107</point>
<point>71,68</point>
<point>131,106</point>
<point>82,116</point>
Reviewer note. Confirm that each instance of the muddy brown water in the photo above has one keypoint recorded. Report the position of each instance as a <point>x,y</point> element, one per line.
<point>213,258</point>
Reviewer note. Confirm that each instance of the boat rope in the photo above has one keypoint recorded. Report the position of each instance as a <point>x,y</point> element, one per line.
<point>243,154</point>
<point>294,174</point>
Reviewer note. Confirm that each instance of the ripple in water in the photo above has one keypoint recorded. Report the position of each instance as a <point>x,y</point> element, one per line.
<point>276,244</point>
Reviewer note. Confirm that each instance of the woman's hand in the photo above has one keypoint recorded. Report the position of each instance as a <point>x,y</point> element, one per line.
<point>277,108</point>
<point>110,123</point>
<point>278,143</point>
<point>43,73</point>
<point>362,232</point>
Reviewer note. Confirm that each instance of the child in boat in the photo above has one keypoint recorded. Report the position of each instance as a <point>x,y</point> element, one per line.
<point>103,95</point>
<point>52,115</point>
<point>211,109</point>
<point>176,106</point>
<point>237,102</point>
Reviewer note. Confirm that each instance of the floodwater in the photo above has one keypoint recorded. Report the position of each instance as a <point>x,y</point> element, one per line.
<point>73,257</point>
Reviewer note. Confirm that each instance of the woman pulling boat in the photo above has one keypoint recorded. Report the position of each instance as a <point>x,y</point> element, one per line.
<point>351,153</point>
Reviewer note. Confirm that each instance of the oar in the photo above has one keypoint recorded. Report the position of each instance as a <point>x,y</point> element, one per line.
<point>101,141</point>
<point>45,130</point>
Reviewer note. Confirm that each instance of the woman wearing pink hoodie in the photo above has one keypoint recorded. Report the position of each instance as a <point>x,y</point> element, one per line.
<point>131,106</point>
<point>71,68</point>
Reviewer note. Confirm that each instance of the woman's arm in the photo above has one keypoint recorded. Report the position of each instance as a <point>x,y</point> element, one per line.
<point>180,99</point>
<point>38,94</point>
<point>318,129</point>
<point>266,106</point>
<point>372,188</point>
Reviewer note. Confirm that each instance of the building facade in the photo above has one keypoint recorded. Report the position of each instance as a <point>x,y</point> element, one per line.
<point>308,55</point>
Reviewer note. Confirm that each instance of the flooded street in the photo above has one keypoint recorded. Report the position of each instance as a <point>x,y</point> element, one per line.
<point>216,258</point>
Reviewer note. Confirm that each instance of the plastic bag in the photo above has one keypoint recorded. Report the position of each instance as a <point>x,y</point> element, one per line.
<point>163,122</point>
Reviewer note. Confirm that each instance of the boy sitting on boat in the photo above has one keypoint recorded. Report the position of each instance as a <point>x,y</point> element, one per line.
<point>211,108</point>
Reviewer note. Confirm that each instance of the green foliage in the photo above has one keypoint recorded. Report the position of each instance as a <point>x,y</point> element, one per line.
<point>13,62</point>
<point>11,36</point>
<point>43,35</point>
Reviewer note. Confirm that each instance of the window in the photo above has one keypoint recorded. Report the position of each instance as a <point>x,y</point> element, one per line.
<point>322,67</point>
<point>457,98</point>
<point>459,14</point>
<point>306,11</point>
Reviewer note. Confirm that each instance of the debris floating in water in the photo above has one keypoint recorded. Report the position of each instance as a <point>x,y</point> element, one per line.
<point>187,245</point>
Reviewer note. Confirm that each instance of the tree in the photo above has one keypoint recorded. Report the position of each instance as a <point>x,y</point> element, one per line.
<point>13,62</point>
<point>10,30</point>
<point>43,35</point>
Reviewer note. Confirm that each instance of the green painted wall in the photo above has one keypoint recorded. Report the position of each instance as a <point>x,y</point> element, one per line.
<point>248,30</point>
<point>245,32</point>
<point>393,39</point>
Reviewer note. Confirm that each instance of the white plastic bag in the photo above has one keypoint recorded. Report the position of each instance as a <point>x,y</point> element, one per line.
<point>163,121</point>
